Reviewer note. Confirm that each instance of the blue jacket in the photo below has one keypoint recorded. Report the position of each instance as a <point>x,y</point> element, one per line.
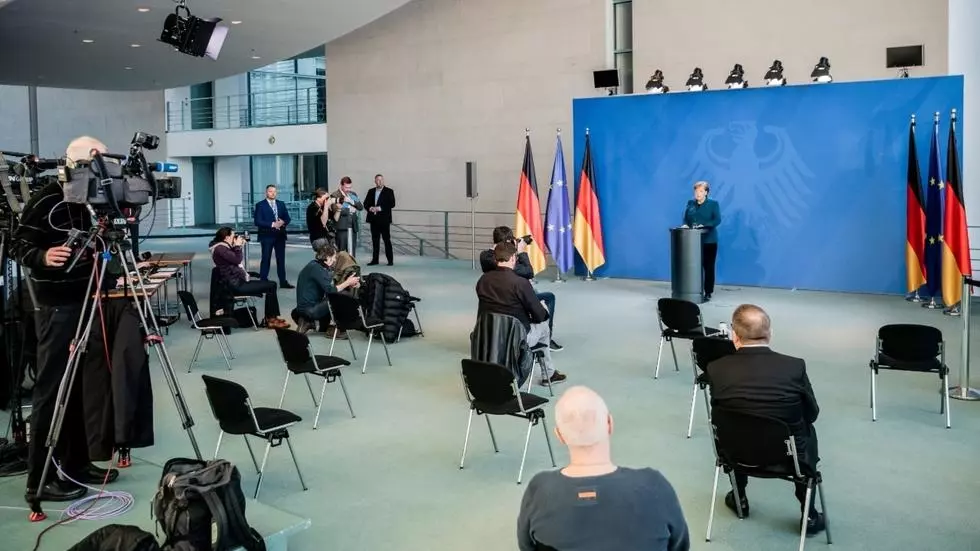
<point>264,218</point>
<point>706,214</point>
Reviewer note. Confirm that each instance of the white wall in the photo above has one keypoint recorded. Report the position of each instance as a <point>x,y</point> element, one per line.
<point>275,140</point>
<point>964,59</point>
<point>677,35</point>
<point>15,130</point>
<point>231,178</point>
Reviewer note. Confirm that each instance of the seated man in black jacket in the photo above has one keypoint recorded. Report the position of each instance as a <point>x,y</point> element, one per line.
<point>757,380</point>
<point>501,291</point>
<point>503,234</point>
<point>315,282</point>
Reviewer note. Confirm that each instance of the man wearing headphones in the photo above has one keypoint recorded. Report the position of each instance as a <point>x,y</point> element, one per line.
<point>702,212</point>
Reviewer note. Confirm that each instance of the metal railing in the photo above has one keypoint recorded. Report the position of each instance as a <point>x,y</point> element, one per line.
<point>302,106</point>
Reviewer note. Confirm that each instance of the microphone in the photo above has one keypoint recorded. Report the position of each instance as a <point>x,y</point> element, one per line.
<point>163,167</point>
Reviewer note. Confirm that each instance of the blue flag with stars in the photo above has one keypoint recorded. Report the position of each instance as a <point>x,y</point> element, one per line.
<point>558,224</point>
<point>934,219</point>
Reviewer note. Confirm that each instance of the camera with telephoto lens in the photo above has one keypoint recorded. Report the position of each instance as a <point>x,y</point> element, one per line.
<point>246,237</point>
<point>527,239</point>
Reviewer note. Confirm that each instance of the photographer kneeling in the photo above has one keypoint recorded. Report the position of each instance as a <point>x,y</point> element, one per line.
<point>39,244</point>
<point>317,279</point>
<point>503,234</point>
<point>226,253</point>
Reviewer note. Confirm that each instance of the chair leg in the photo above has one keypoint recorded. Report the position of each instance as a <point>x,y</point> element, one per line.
<point>874,396</point>
<point>323,390</point>
<point>223,354</point>
<point>823,509</point>
<point>333,340</point>
<point>282,397</point>
<point>218,446</point>
<point>714,497</point>
<point>493,439</point>
<point>466,440</point>
<point>340,377</point>
<point>367,352</point>
<point>251,454</point>
<point>660,352</point>
<point>547,438</point>
<point>289,444</point>
<point>227,343</point>
<point>527,439</point>
<point>265,458</point>
<point>738,496</point>
<point>249,304</point>
<point>384,343</point>
<point>806,513</point>
<point>350,342</point>
<point>946,397</point>
<point>197,352</point>
<point>694,401</point>
<point>707,403</point>
<point>673,351</point>
<point>418,322</point>
<point>309,386</point>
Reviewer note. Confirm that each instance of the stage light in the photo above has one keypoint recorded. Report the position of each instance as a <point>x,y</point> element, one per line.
<point>656,83</point>
<point>821,71</point>
<point>736,78</point>
<point>192,35</point>
<point>696,81</point>
<point>774,76</point>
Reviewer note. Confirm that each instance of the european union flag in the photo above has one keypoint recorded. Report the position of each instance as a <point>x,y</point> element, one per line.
<point>558,224</point>
<point>934,218</point>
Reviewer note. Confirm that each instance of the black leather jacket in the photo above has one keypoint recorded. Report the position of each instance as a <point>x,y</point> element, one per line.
<point>502,339</point>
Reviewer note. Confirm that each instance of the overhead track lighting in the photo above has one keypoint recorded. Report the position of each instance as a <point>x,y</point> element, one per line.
<point>821,71</point>
<point>656,83</point>
<point>736,78</point>
<point>774,76</point>
<point>695,83</point>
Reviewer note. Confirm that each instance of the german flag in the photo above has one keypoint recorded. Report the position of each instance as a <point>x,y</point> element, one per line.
<point>915,232</point>
<point>956,239</point>
<point>587,228</point>
<point>529,211</point>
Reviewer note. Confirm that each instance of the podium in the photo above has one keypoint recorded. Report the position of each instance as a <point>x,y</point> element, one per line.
<point>685,264</point>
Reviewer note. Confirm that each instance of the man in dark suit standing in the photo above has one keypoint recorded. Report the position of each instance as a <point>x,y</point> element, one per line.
<point>271,218</point>
<point>760,381</point>
<point>379,203</point>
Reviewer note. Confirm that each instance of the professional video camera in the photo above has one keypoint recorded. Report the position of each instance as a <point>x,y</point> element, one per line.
<point>20,176</point>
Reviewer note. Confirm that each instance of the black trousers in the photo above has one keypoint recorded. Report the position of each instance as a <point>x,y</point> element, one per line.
<point>807,448</point>
<point>270,244</point>
<point>342,241</point>
<point>379,231</point>
<point>709,252</point>
<point>55,331</point>
<point>258,289</point>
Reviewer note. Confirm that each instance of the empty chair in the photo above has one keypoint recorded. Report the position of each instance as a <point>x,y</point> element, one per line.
<point>300,359</point>
<point>705,350</point>
<point>761,447</point>
<point>348,315</point>
<point>233,410</point>
<point>491,389</point>
<point>212,329</point>
<point>679,319</point>
<point>909,347</point>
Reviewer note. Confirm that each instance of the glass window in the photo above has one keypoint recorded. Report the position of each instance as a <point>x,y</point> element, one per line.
<point>623,25</point>
<point>288,92</point>
<point>624,63</point>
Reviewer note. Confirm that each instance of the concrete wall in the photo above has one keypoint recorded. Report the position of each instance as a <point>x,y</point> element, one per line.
<point>964,59</point>
<point>274,140</point>
<point>677,35</point>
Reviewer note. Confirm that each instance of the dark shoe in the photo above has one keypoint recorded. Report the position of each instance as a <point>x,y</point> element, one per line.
<point>373,263</point>
<point>815,524</point>
<point>341,335</point>
<point>286,285</point>
<point>390,263</point>
<point>57,490</point>
<point>555,347</point>
<point>305,326</point>
<point>707,297</point>
<point>556,378</point>
<point>730,503</point>
<point>93,475</point>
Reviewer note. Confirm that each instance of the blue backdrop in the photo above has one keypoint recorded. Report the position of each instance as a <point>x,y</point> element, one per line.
<point>810,178</point>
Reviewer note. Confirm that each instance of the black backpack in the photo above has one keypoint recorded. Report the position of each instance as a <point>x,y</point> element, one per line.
<point>200,506</point>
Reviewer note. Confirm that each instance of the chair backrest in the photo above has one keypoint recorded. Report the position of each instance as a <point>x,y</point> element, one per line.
<point>345,309</point>
<point>229,404</point>
<point>221,296</point>
<point>502,339</point>
<point>190,305</point>
<point>708,349</point>
<point>677,314</point>
<point>295,347</point>
<point>751,441</point>
<point>910,342</point>
<point>487,382</point>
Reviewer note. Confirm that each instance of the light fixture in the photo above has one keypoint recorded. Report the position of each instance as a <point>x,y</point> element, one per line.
<point>134,45</point>
<point>256,57</point>
<point>192,35</point>
<point>128,68</point>
<point>774,76</point>
<point>656,83</point>
<point>821,71</point>
<point>236,22</point>
<point>87,40</point>
<point>142,10</point>
<point>695,83</point>
<point>736,78</point>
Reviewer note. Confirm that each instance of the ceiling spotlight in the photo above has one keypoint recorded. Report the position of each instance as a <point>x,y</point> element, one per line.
<point>774,76</point>
<point>736,78</point>
<point>142,10</point>
<point>256,57</point>
<point>87,40</point>
<point>192,35</point>
<point>656,83</point>
<point>128,68</point>
<point>696,81</point>
<point>821,71</point>
<point>236,22</point>
<point>134,45</point>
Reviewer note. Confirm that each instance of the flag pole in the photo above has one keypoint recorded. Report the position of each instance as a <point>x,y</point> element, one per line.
<point>932,304</point>
<point>954,309</point>
<point>558,278</point>
<point>962,391</point>
<point>914,297</point>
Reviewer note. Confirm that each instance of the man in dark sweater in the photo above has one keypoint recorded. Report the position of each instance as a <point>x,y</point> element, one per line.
<point>501,291</point>
<point>592,504</point>
<point>503,234</point>
<point>38,244</point>
<point>314,283</point>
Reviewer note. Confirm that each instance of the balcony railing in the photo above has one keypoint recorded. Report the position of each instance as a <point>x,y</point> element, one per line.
<point>278,108</point>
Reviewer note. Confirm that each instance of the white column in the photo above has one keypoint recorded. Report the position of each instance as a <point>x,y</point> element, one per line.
<point>964,59</point>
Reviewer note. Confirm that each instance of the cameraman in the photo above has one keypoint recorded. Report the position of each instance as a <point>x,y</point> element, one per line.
<point>503,234</point>
<point>38,243</point>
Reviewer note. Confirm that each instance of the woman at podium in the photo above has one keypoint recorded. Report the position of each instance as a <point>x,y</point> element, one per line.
<point>702,212</point>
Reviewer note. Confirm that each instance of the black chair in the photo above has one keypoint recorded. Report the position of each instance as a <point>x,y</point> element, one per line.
<point>491,389</point>
<point>233,410</point>
<point>908,347</point>
<point>679,319</point>
<point>537,352</point>
<point>298,354</point>
<point>348,315</point>
<point>760,447</point>
<point>705,350</point>
<point>413,305</point>
<point>212,329</point>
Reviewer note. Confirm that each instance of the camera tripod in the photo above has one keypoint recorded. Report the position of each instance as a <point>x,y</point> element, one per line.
<point>114,243</point>
<point>13,456</point>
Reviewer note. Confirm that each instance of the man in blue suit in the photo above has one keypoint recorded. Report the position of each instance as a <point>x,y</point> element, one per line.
<point>271,218</point>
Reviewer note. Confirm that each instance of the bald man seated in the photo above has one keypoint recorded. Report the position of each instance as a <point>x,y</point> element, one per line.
<point>592,504</point>
<point>760,381</point>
